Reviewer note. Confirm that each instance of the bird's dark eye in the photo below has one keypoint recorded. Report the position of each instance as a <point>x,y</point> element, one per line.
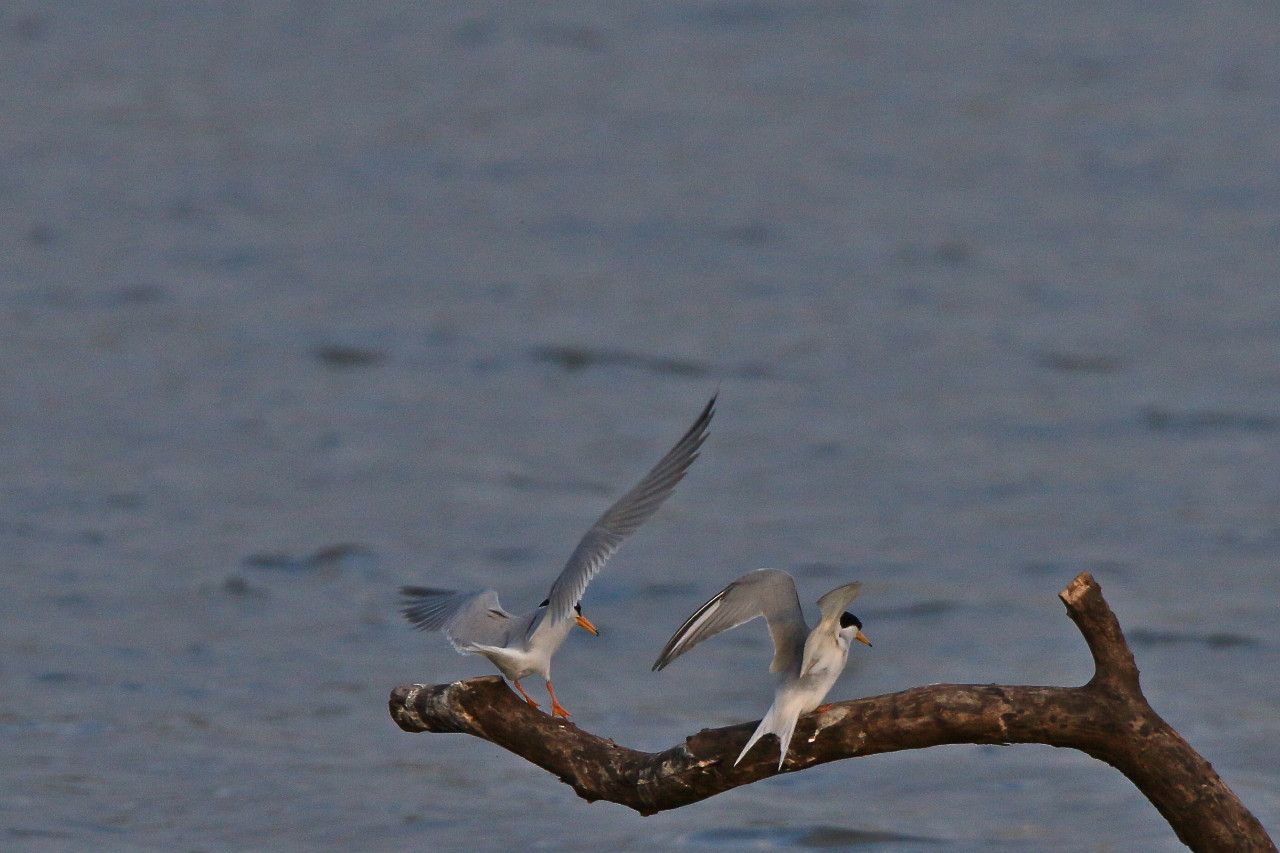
<point>848,620</point>
<point>545,602</point>
<point>577,607</point>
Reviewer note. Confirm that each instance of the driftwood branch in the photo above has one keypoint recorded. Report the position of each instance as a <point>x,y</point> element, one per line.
<point>1107,718</point>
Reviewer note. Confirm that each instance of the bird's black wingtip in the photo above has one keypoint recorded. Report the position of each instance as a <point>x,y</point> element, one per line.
<point>708,412</point>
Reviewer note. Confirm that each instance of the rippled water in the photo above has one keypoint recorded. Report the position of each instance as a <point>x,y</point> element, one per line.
<point>302,302</point>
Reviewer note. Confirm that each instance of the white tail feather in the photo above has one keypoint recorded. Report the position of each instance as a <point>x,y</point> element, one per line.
<point>780,724</point>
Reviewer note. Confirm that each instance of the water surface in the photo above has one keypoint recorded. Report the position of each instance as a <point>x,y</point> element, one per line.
<point>302,302</point>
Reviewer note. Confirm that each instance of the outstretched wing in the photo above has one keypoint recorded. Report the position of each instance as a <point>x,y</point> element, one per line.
<point>468,619</point>
<point>834,603</point>
<point>622,519</point>
<point>770,593</point>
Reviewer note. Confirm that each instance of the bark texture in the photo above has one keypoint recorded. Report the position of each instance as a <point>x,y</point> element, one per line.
<point>1107,718</point>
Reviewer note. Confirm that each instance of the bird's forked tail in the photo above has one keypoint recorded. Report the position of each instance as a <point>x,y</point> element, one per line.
<point>776,722</point>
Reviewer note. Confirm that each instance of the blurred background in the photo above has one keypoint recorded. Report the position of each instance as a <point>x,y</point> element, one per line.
<point>302,301</point>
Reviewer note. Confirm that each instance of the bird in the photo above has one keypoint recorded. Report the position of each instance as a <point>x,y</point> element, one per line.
<point>809,661</point>
<point>523,645</point>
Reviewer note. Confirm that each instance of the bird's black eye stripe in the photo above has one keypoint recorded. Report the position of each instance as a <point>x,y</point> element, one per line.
<point>578,608</point>
<point>848,620</point>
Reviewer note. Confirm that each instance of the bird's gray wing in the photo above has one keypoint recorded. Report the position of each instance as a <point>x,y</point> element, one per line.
<point>834,603</point>
<point>467,618</point>
<point>622,519</point>
<point>770,593</point>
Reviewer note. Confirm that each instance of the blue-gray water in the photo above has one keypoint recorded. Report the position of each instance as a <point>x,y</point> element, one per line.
<point>300,302</point>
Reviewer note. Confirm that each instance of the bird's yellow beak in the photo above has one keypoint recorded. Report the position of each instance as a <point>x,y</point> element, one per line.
<point>861,638</point>
<point>585,624</point>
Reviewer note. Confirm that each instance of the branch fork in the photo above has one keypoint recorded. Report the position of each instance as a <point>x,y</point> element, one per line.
<point>1107,718</point>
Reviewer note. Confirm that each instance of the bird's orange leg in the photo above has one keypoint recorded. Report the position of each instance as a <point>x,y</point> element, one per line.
<point>821,708</point>
<point>557,710</point>
<point>526,696</point>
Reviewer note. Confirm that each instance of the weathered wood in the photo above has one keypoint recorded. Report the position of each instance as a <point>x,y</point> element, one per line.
<point>1107,718</point>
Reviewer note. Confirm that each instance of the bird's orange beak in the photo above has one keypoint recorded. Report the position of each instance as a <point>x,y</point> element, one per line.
<point>861,638</point>
<point>585,624</point>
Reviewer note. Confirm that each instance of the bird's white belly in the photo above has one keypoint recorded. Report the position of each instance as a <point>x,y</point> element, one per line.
<point>808,691</point>
<point>516,663</point>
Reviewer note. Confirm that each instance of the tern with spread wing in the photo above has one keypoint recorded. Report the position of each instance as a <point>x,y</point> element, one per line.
<point>523,645</point>
<point>809,662</point>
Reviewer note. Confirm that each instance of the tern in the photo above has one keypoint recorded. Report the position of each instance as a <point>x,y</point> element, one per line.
<point>809,662</point>
<point>523,645</point>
